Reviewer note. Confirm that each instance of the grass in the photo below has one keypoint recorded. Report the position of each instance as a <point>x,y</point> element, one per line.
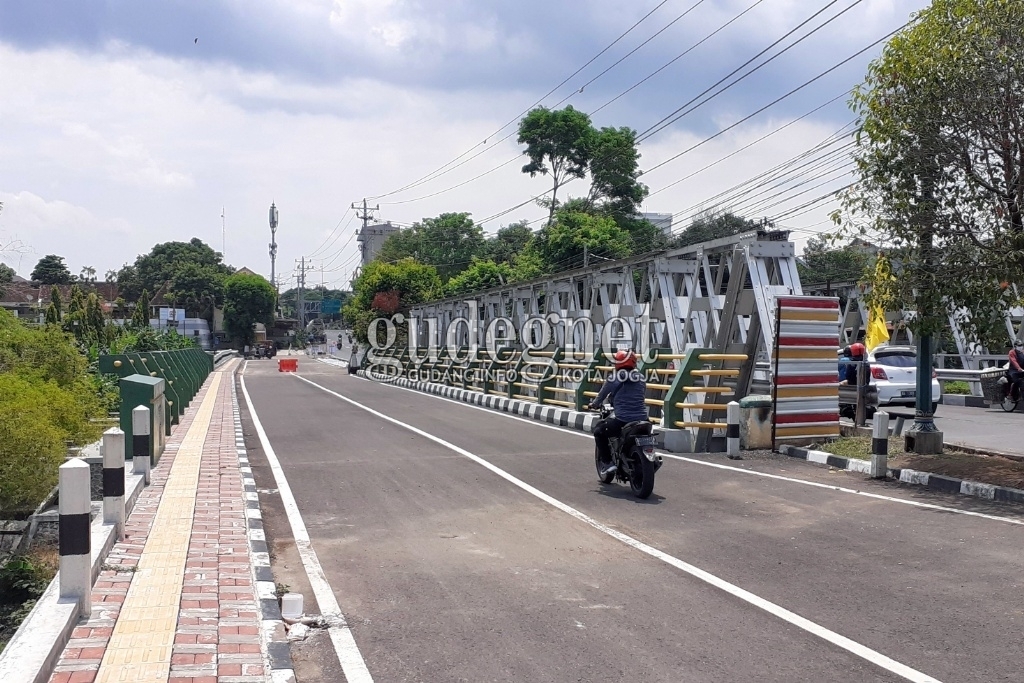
<point>22,580</point>
<point>857,447</point>
<point>958,387</point>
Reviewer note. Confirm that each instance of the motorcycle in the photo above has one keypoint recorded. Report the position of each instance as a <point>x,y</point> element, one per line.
<point>633,454</point>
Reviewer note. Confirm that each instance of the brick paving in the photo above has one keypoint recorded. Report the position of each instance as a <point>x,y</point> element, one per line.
<point>217,634</point>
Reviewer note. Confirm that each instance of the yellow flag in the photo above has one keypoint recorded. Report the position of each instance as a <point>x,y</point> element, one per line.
<point>877,333</point>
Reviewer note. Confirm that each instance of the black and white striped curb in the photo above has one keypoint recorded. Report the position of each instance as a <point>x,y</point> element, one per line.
<point>273,643</point>
<point>936,482</point>
<point>563,417</point>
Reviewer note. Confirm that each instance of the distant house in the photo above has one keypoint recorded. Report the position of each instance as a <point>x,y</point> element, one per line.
<point>29,300</point>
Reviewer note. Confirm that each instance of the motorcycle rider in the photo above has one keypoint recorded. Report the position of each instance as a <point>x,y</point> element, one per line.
<point>1015,373</point>
<point>626,388</point>
<point>857,356</point>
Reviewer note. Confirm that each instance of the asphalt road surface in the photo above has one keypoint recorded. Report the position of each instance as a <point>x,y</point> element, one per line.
<point>480,547</point>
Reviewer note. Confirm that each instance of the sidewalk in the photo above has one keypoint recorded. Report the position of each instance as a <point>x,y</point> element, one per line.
<point>176,600</point>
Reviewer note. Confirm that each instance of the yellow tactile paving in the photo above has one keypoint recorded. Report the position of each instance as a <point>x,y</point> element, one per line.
<point>143,637</point>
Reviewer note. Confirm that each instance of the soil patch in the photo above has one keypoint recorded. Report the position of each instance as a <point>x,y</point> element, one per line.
<point>987,469</point>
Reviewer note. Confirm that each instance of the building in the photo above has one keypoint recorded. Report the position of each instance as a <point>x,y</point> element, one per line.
<point>371,238</point>
<point>662,221</point>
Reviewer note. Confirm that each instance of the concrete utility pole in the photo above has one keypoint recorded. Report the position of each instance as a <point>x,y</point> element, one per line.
<point>300,298</point>
<point>273,245</point>
<point>365,216</point>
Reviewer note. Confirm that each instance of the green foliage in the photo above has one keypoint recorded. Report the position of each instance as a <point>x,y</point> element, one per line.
<point>6,276</point>
<point>46,353</point>
<point>31,446</point>
<point>140,316</point>
<point>448,243</point>
<point>615,172</point>
<point>957,387</point>
<point>559,143</point>
<point>148,339</point>
<point>824,262</point>
<point>411,281</point>
<point>940,161</point>
<point>51,270</point>
<point>480,275</point>
<point>710,226</point>
<point>248,299</point>
<point>57,303</point>
<point>561,244</point>
<point>509,242</point>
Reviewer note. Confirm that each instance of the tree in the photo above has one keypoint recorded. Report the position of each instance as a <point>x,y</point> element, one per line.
<point>200,287</point>
<point>575,239</point>
<point>6,276</point>
<point>193,261</point>
<point>824,263</point>
<point>479,276</point>
<point>558,143</point>
<point>88,274</point>
<point>51,271</point>
<point>407,280</point>
<point>140,316</point>
<point>129,285</point>
<point>710,226</point>
<point>509,241</point>
<point>110,276</point>
<point>448,242</point>
<point>615,172</point>
<point>940,164</point>
<point>57,303</point>
<point>248,299</point>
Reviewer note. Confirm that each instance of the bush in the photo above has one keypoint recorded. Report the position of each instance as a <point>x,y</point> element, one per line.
<point>956,387</point>
<point>31,450</point>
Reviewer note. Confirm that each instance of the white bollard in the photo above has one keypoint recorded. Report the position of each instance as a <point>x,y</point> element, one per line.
<point>732,431</point>
<point>880,445</point>
<point>113,480</point>
<point>142,445</point>
<point>74,534</point>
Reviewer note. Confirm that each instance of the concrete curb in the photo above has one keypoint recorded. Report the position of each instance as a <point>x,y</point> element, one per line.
<point>36,647</point>
<point>274,641</point>
<point>562,417</point>
<point>964,400</point>
<point>936,482</point>
<point>850,430</point>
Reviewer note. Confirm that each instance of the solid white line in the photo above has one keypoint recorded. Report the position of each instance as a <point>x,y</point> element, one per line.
<point>807,625</point>
<point>730,468</point>
<point>352,663</point>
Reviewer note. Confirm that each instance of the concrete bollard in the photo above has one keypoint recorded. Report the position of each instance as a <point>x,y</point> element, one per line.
<point>880,445</point>
<point>142,451</point>
<point>732,431</point>
<point>74,534</point>
<point>113,480</point>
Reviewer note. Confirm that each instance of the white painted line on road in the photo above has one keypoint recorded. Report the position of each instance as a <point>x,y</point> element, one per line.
<point>807,625</point>
<point>730,468</point>
<point>352,663</point>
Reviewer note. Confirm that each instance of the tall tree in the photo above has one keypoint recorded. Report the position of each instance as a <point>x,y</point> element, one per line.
<point>615,172</point>
<point>57,303</point>
<point>559,143</point>
<point>509,241</point>
<point>88,274</point>
<point>51,270</point>
<point>6,276</point>
<point>448,243</point>
<point>710,226</point>
<point>826,263</point>
<point>940,163</point>
<point>575,239</point>
<point>168,260</point>
<point>140,316</point>
<point>248,299</point>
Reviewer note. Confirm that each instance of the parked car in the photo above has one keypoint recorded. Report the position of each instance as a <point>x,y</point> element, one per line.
<point>894,373</point>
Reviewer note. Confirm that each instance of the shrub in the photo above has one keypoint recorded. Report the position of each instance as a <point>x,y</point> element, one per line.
<point>956,387</point>
<point>31,450</point>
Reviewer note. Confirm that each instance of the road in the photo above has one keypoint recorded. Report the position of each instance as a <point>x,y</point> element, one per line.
<point>983,428</point>
<point>466,545</point>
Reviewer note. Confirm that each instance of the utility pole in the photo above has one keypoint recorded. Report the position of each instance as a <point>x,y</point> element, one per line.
<point>365,216</point>
<point>300,297</point>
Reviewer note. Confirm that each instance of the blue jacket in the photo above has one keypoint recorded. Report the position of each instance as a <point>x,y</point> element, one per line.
<point>627,390</point>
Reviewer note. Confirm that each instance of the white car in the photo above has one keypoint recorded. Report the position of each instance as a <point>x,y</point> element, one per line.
<point>894,373</point>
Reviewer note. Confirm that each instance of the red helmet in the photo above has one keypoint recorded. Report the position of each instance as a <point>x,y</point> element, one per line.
<point>624,360</point>
<point>857,349</point>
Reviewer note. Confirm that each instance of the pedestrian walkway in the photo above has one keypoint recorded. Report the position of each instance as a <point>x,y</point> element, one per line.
<point>175,601</point>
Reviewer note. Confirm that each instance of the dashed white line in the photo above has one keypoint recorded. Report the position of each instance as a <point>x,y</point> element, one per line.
<point>786,615</point>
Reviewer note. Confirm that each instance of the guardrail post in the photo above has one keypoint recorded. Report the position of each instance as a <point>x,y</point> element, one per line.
<point>880,445</point>
<point>142,444</point>
<point>74,534</point>
<point>113,480</point>
<point>732,431</point>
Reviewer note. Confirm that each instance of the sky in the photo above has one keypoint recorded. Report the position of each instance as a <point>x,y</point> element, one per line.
<point>127,124</point>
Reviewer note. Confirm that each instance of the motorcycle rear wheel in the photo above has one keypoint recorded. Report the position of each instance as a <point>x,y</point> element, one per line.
<point>605,479</point>
<point>641,479</point>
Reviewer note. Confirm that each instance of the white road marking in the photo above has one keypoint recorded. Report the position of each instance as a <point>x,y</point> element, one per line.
<point>351,659</point>
<point>720,466</point>
<point>807,625</point>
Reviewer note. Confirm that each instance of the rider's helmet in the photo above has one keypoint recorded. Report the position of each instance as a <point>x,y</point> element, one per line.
<point>857,349</point>
<point>625,360</point>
